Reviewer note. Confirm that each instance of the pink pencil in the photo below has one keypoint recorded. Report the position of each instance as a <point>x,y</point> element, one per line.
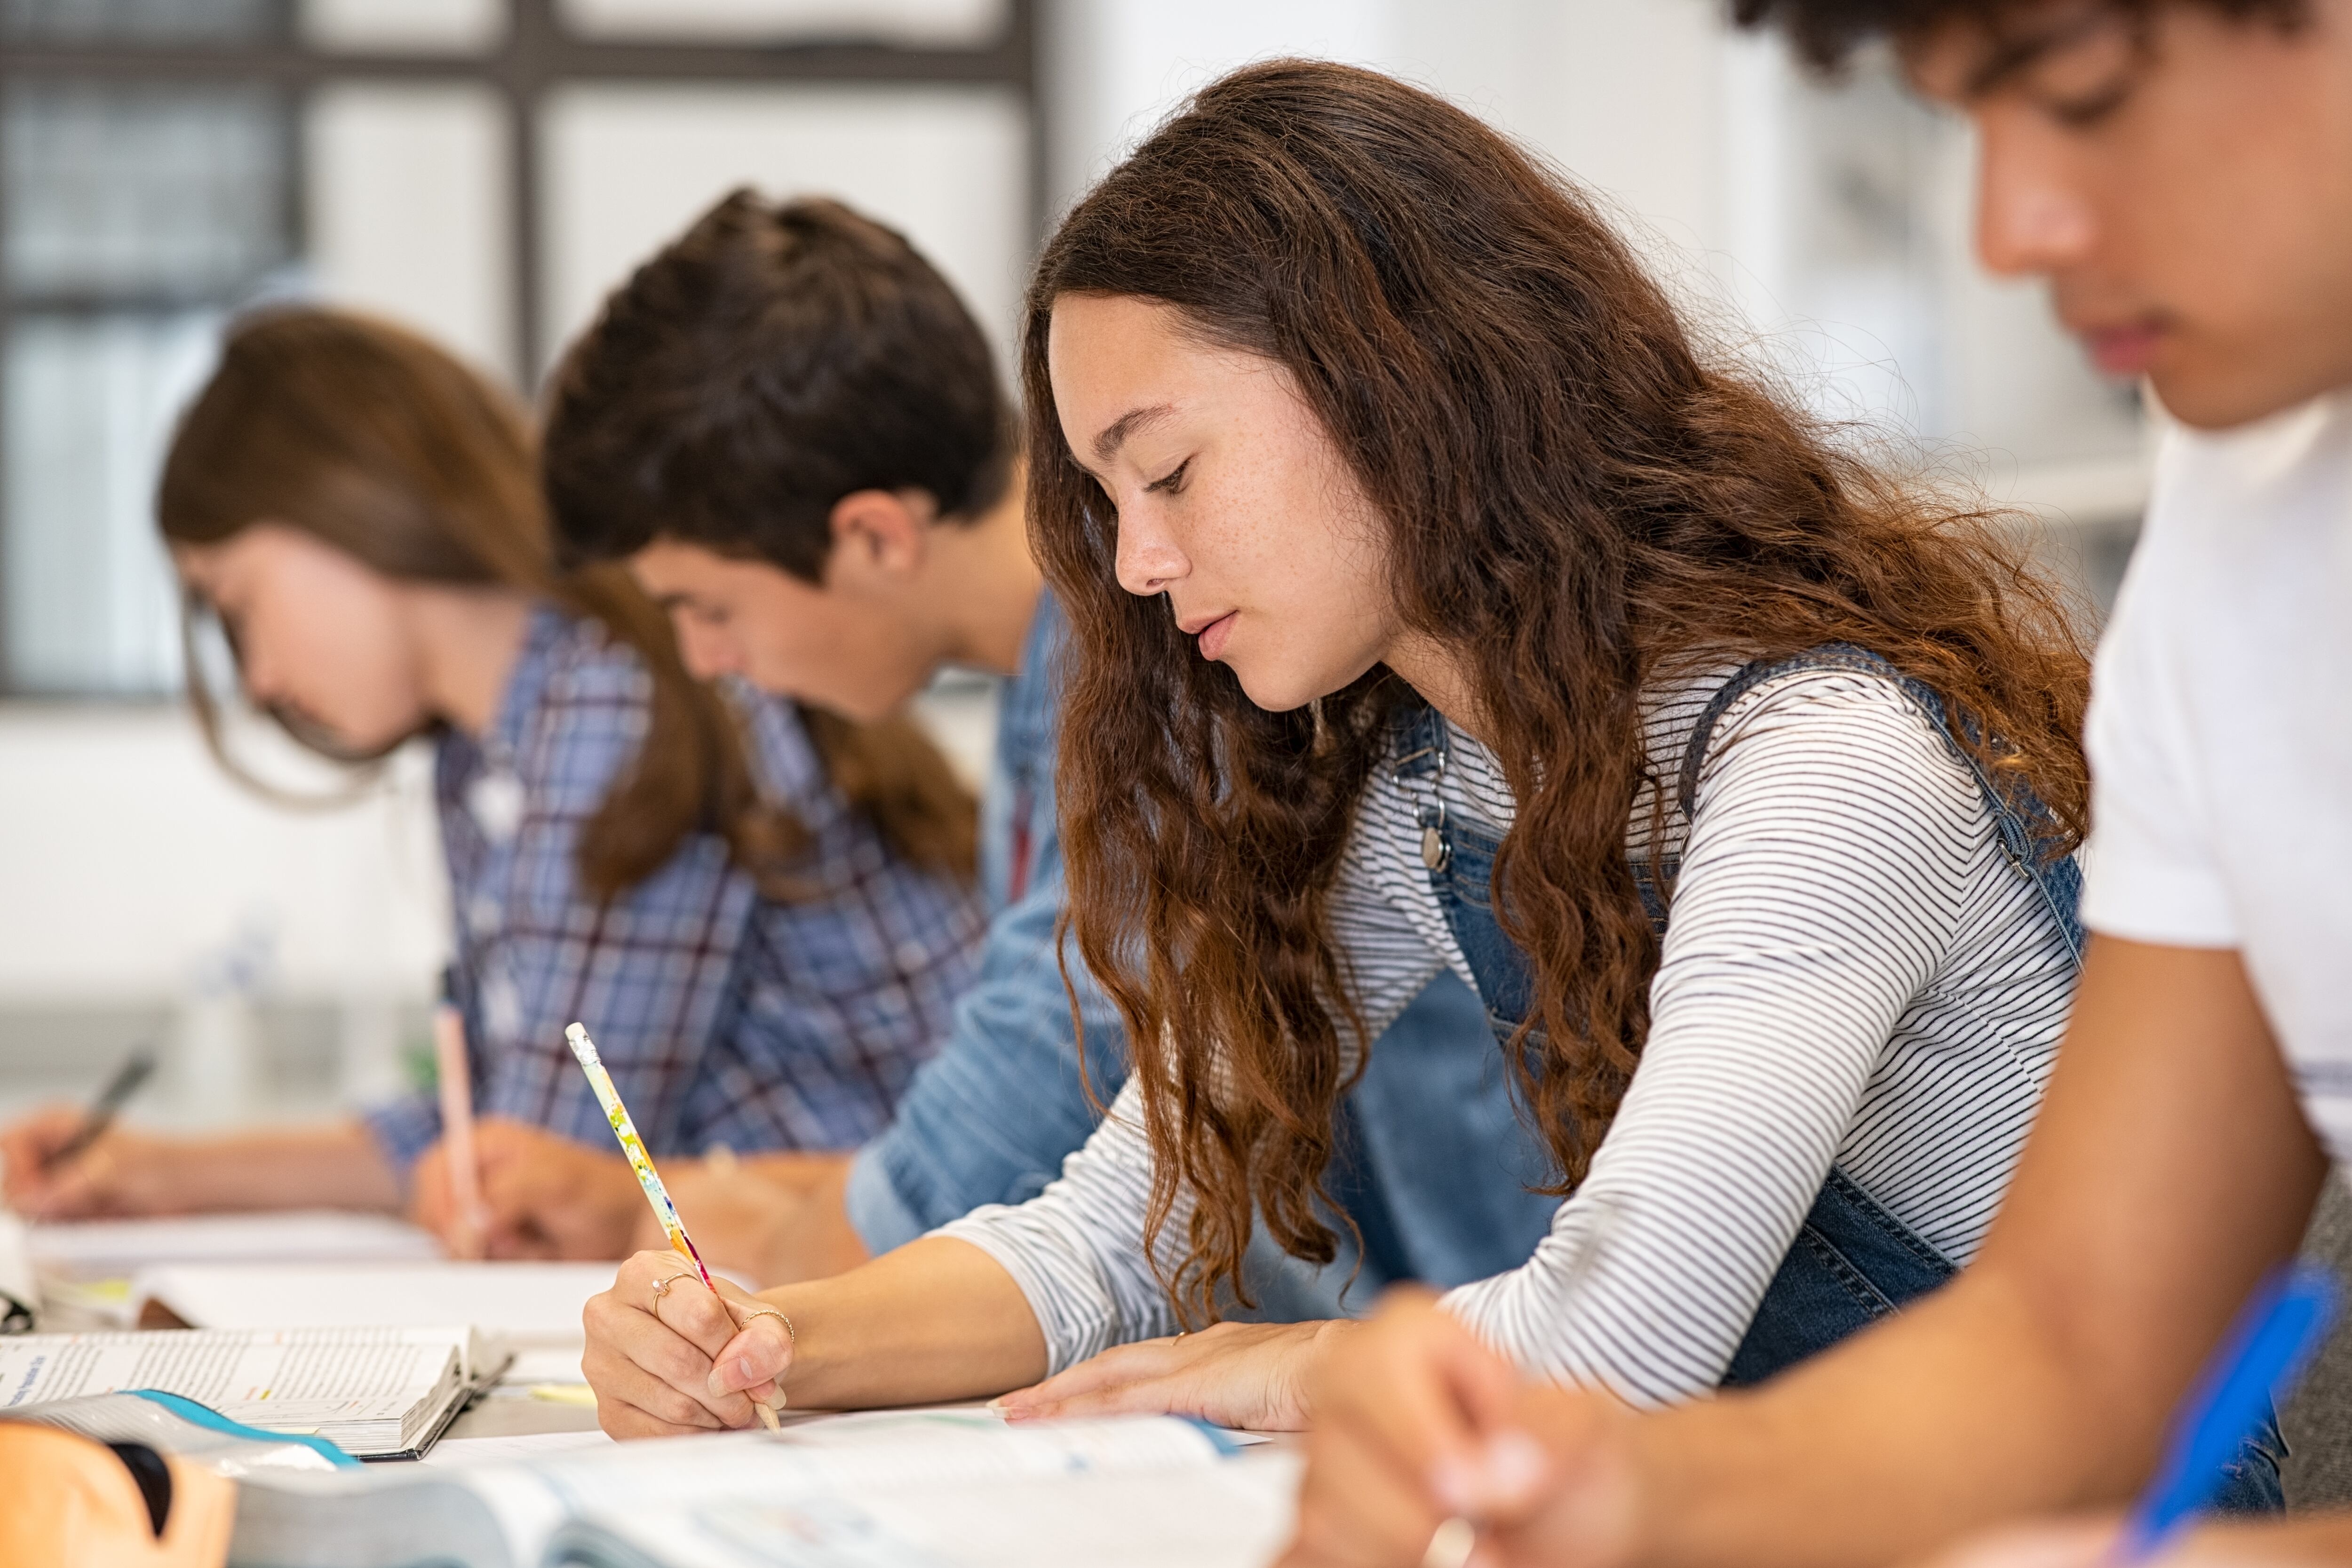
<point>457,1083</point>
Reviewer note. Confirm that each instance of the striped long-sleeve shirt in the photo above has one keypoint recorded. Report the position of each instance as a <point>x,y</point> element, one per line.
<point>1853,974</point>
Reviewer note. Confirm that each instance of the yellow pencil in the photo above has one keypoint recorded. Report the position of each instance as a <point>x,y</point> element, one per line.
<point>633,1148</point>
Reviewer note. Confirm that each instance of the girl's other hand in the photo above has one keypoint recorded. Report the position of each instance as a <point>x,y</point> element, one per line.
<point>1249,1376</point>
<point>666,1357</point>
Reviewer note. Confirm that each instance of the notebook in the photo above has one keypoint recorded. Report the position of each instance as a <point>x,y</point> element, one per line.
<point>939,1488</point>
<point>1229,1515</point>
<point>376,1394</point>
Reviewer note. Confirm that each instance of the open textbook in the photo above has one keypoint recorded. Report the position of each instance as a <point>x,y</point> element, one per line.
<point>373,1392</point>
<point>939,1488</point>
<point>524,1303</point>
<point>532,1309</point>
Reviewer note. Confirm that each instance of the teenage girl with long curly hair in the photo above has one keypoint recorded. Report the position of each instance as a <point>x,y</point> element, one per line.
<point>1437,601</point>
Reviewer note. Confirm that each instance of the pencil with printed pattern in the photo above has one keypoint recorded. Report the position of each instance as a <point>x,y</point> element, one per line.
<point>633,1148</point>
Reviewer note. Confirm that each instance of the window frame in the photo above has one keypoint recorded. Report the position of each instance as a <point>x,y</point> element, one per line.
<point>535,58</point>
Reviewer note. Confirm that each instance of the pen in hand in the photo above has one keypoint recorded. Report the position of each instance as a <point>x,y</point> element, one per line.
<point>134,1071</point>
<point>2264,1357</point>
<point>633,1147</point>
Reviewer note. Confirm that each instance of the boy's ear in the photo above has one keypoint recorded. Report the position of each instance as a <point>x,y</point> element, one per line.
<point>878,535</point>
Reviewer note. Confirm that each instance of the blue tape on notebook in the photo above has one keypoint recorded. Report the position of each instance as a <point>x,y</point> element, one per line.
<point>212,1420</point>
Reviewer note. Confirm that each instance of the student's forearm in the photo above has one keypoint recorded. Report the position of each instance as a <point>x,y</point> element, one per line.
<point>937,1319</point>
<point>2172,1167</point>
<point>1950,1416</point>
<point>332,1165</point>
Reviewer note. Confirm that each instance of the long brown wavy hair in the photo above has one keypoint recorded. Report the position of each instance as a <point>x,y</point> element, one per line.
<point>372,439</point>
<point>1578,502</point>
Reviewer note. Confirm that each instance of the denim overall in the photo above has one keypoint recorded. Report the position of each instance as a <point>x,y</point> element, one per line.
<point>1853,1262</point>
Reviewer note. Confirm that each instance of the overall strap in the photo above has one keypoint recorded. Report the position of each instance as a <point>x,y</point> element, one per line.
<point>2029,831</point>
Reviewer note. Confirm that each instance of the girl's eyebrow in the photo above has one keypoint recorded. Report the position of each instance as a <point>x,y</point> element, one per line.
<point>1115,433</point>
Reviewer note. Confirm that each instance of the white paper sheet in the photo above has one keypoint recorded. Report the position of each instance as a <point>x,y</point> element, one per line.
<point>519,1303</point>
<point>869,1459</point>
<point>120,1248</point>
<point>1236,1513</point>
<point>461,1453</point>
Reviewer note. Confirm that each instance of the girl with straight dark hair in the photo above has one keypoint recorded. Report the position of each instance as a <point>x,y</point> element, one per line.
<point>762,914</point>
<point>1436,602</point>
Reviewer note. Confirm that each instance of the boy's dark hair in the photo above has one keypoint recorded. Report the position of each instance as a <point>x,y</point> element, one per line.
<point>1826,31</point>
<point>770,361</point>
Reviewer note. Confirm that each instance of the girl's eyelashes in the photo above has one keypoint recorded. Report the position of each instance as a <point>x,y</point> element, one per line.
<point>2082,111</point>
<point>1169,483</point>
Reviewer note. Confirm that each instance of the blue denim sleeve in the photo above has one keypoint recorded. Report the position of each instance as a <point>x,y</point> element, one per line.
<point>991,1118</point>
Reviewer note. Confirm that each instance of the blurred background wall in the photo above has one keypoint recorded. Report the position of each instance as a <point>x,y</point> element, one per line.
<point>485,169</point>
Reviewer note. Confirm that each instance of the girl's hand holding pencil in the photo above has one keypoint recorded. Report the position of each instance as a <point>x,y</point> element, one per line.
<point>740,1376</point>
<point>667,1356</point>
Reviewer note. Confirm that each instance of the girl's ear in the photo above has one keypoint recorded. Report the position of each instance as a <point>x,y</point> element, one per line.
<point>879,538</point>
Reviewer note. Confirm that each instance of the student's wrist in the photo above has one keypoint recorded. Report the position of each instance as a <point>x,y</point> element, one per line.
<point>804,1375</point>
<point>1672,1520</point>
<point>1306,1372</point>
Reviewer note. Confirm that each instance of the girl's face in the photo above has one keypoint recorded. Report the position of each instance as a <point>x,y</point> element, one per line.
<point>318,634</point>
<point>1232,501</point>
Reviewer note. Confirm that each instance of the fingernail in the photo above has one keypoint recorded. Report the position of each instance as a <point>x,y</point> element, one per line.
<point>1515,1466</point>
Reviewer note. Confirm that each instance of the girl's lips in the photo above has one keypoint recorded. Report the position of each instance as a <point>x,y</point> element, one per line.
<point>1216,634</point>
<point>2125,351</point>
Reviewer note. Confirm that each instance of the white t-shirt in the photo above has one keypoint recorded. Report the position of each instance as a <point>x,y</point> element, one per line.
<point>2220,731</point>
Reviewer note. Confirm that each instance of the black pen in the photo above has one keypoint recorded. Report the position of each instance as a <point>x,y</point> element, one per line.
<point>104,1109</point>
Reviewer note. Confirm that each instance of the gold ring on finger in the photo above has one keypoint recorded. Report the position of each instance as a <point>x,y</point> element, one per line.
<point>792,1338</point>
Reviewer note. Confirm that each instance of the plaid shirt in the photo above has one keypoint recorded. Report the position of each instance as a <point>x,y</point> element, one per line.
<point>723,1016</point>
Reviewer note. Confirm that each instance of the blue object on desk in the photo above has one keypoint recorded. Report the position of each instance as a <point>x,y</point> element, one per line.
<point>2265,1353</point>
<point>212,1420</point>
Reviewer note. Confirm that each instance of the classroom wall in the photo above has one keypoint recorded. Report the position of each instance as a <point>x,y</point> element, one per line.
<point>1621,95</point>
<point>136,878</point>
<point>281,958</point>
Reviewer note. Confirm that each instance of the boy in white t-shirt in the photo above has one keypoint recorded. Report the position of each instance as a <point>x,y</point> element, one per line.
<point>2180,171</point>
